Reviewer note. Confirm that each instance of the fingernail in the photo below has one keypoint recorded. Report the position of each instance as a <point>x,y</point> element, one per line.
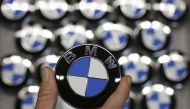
<point>129,79</point>
<point>45,74</point>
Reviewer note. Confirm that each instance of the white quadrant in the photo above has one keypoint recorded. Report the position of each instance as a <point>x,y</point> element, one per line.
<point>97,70</point>
<point>78,84</point>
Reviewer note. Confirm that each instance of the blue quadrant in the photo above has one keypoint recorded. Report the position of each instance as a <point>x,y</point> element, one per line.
<point>18,13</point>
<point>107,36</point>
<point>8,67</point>
<point>154,96</point>
<point>165,106</point>
<point>80,67</point>
<point>151,31</point>
<point>36,44</point>
<point>127,104</point>
<point>28,100</point>
<point>95,86</point>
<point>123,39</point>
<point>52,65</point>
<point>17,78</point>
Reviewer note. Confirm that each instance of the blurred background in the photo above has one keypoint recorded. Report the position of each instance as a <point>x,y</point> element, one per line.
<point>152,35</point>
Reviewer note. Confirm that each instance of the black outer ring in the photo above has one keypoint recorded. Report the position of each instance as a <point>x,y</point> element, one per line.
<point>161,69</point>
<point>174,20</point>
<point>79,101</point>
<point>15,21</point>
<point>140,41</point>
<point>19,45</point>
<point>172,105</point>
<point>151,72</point>
<point>28,75</point>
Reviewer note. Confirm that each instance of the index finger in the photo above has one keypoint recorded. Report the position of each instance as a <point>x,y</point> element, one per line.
<point>119,97</point>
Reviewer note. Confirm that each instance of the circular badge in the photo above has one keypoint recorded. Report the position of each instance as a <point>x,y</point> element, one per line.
<point>173,9</point>
<point>33,39</point>
<point>154,36</point>
<point>15,70</point>
<point>73,35</point>
<point>158,97</point>
<point>115,37</point>
<point>52,9</point>
<point>174,66</point>
<point>15,9</point>
<point>139,67</point>
<point>87,75</point>
<point>133,9</point>
<point>93,9</point>
<point>27,97</point>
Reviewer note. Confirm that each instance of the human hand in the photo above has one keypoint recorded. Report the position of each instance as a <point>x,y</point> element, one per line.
<point>47,96</point>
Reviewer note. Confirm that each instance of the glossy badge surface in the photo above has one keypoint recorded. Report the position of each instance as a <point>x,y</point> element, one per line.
<point>87,75</point>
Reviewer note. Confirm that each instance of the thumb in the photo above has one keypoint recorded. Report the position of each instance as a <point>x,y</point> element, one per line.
<point>47,96</point>
<point>119,97</point>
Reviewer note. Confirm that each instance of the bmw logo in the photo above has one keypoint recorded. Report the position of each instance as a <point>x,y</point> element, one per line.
<point>52,9</point>
<point>27,97</point>
<point>114,36</point>
<point>174,66</point>
<point>15,10</point>
<point>15,70</point>
<point>154,36</point>
<point>33,39</point>
<point>93,9</point>
<point>158,96</point>
<point>133,9</point>
<point>173,9</point>
<point>87,75</point>
<point>138,66</point>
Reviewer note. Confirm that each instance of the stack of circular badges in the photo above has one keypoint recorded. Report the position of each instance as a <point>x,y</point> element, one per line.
<point>33,39</point>
<point>15,10</point>
<point>27,97</point>
<point>80,82</point>
<point>114,36</point>
<point>73,35</point>
<point>139,67</point>
<point>93,9</point>
<point>158,97</point>
<point>15,70</point>
<point>173,9</point>
<point>133,9</point>
<point>174,66</point>
<point>154,36</point>
<point>52,9</point>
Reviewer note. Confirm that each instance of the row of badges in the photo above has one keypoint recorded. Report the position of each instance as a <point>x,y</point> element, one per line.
<point>156,96</point>
<point>116,37</point>
<point>53,10</point>
<point>172,66</point>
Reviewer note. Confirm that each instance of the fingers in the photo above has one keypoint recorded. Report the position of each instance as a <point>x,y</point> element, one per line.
<point>119,97</point>
<point>47,96</point>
